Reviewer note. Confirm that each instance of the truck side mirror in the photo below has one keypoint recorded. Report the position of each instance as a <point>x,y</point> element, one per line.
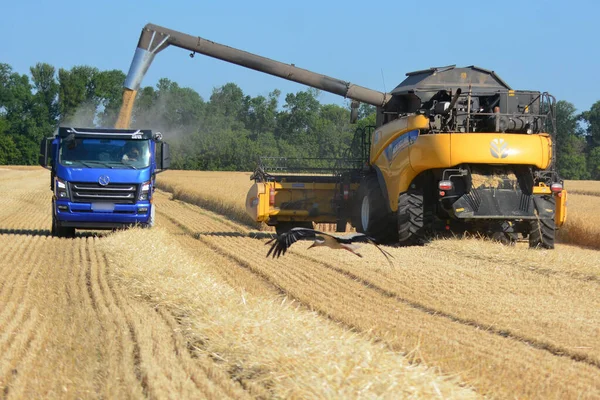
<point>43,157</point>
<point>165,156</point>
<point>354,111</point>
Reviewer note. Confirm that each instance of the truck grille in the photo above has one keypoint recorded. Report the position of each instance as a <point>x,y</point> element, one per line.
<point>111,193</point>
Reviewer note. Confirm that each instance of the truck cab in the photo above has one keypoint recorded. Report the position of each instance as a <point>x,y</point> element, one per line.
<point>102,178</point>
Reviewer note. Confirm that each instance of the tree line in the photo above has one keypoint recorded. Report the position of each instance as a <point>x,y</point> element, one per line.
<point>230,130</point>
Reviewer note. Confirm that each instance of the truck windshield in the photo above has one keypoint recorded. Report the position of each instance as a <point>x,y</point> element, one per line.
<point>105,153</point>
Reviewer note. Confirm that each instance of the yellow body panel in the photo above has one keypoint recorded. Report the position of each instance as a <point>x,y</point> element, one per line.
<point>257,201</point>
<point>561,208</point>
<point>386,134</point>
<point>401,154</point>
<point>519,149</point>
<point>542,189</point>
<point>312,201</point>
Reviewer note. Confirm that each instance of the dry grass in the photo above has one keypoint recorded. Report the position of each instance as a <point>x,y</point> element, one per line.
<point>221,192</point>
<point>510,321</point>
<point>273,348</point>
<point>591,188</point>
<point>194,310</point>
<point>583,221</point>
<point>93,317</point>
<point>68,331</point>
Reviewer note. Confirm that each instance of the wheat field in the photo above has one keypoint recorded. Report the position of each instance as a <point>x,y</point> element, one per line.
<point>193,309</point>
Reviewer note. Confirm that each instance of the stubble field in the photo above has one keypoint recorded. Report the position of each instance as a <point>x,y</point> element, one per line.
<point>193,309</point>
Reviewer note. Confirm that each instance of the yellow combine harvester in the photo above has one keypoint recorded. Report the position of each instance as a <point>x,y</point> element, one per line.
<point>453,150</point>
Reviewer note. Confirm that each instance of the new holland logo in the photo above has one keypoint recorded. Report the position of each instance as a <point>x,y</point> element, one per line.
<point>499,148</point>
<point>104,180</point>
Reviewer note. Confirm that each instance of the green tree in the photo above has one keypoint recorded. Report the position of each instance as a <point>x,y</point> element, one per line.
<point>9,154</point>
<point>333,131</point>
<point>76,101</point>
<point>296,123</point>
<point>170,108</point>
<point>572,163</point>
<point>594,163</point>
<point>592,119</point>
<point>108,94</point>
<point>366,110</point>
<point>46,92</point>
<point>18,122</point>
<point>261,113</point>
<point>570,145</point>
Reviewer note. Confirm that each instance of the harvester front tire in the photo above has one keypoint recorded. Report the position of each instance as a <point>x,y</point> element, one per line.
<point>373,216</point>
<point>542,231</point>
<point>411,227</point>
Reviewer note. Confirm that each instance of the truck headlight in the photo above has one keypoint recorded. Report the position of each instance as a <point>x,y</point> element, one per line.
<point>144,192</point>
<point>61,191</point>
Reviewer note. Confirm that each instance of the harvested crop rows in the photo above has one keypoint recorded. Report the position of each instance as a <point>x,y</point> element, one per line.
<point>194,309</point>
<point>503,326</point>
<point>67,331</point>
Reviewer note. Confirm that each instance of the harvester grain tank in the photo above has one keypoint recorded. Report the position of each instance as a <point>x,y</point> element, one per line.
<point>453,149</point>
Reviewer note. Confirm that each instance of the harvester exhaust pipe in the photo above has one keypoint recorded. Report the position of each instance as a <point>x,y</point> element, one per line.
<point>155,38</point>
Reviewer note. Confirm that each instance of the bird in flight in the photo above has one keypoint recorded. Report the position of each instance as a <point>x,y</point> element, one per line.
<point>347,242</point>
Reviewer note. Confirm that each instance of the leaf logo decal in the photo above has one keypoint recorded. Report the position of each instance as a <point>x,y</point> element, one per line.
<point>499,148</point>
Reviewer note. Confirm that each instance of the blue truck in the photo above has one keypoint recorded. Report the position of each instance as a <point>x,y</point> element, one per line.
<point>102,178</point>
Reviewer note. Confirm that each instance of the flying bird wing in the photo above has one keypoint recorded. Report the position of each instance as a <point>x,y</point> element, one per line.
<point>357,237</point>
<point>285,240</point>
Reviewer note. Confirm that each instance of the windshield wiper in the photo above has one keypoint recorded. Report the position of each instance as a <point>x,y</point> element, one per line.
<point>70,163</point>
<point>98,162</point>
<point>121,164</point>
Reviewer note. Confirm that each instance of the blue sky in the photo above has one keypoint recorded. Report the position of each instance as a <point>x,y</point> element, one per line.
<point>540,45</point>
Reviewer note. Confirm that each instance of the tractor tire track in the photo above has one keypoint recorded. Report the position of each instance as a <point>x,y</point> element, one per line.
<point>67,329</point>
<point>207,378</point>
<point>336,294</point>
<point>353,294</point>
<point>21,326</point>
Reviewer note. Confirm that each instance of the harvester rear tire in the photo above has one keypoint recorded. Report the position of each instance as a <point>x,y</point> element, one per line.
<point>542,231</point>
<point>373,217</point>
<point>411,227</point>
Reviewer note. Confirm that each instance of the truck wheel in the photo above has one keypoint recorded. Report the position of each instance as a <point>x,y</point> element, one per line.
<point>54,231</point>
<point>542,230</point>
<point>373,216</point>
<point>151,219</point>
<point>60,231</point>
<point>410,218</point>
